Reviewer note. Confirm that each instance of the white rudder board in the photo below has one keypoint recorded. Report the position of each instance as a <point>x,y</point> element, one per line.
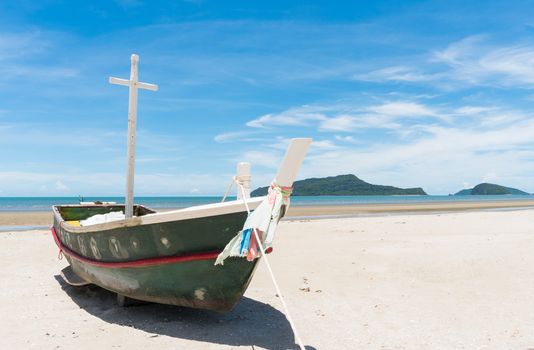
<point>292,161</point>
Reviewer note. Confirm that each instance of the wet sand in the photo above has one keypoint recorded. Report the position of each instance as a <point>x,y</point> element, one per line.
<point>358,209</point>
<point>458,280</point>
<point>39,218</point>
<point>26,218</point>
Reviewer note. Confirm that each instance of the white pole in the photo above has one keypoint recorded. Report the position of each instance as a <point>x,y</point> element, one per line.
<point>243,178</point>
<point>133,84</point>
<point>132,124</point>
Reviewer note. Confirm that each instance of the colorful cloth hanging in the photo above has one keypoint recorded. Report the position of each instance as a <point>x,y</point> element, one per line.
<point>264,220</point>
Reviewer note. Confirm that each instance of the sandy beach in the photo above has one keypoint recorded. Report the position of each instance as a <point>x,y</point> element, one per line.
<point>458,280</point>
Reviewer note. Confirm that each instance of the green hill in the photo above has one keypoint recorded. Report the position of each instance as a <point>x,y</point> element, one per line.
<point>342,185</point>
<point>489,189</point>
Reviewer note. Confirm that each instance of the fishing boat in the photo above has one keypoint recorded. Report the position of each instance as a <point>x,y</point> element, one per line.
<point>165,257</point>
<point>170,257</point>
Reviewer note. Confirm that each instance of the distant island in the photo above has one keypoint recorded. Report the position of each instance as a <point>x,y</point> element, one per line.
<point>489,189</point>
<point>342,185</point>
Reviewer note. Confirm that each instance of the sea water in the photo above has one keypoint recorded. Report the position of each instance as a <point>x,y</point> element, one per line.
<point>45,203</point>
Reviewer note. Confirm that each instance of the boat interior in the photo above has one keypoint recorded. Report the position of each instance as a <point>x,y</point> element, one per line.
<point>73,213</point>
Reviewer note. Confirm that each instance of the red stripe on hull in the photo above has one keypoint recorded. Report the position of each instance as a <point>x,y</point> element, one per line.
<point>134,263</point>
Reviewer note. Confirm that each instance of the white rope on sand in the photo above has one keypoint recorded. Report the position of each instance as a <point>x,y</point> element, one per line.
<point>276,287</point>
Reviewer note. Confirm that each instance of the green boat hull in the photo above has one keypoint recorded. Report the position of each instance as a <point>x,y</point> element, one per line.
<point>168,262</point>
<point>196,284</point>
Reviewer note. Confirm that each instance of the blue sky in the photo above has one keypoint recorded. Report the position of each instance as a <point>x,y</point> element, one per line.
<point>437,94</point>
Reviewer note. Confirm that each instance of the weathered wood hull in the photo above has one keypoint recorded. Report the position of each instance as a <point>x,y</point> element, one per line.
<point>166,262</point>
<point>196,284</point>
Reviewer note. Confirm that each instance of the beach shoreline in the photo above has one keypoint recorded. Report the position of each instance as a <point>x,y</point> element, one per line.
<point>295,212</point>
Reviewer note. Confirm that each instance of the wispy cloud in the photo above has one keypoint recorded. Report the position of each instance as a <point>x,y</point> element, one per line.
<point>267,159</point>
<point>348,117</point>
<point>292,117</point>
<point>339,123</point>
<point>403,109</point>
<point>33,71</point>
<point>473,110</point>
<point>347,139</point>
<point>476,61</point>
<point>473,60</point>
<point>234,136</point>
<point>16,45</point>
<point>21,55</point>
<point>396,73</point>
<point>322,145</point>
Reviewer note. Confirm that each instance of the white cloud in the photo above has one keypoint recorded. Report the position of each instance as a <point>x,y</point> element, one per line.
<point>403,109</point>
<point>473,110</point>
<point>60,186</point>
<point>516,63</point>
<point>347,117</point>
<point>265,159</point>
<point>232,136</point>
<point>457,52</point>
<point>323,145</point>
<point>502,118</point>
<point>348,139</point>
<point>491,177</point>
<point>475,61</point>
<point>396,73</point>
<point>15,45</point>
<point>298,116</point>
<point>17,70</point>
<point>339,123</point>
<point>18,52</point>
<point>361,122</point>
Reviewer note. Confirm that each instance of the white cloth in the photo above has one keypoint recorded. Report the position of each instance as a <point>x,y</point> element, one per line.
<point>103,218</point>
<point>265,219</point>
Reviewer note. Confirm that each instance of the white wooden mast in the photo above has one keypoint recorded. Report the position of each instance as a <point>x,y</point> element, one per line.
<point>133,84</point>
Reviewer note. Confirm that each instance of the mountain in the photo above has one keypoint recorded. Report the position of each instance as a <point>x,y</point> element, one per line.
<point>342,185</point>
<point>486,188</point>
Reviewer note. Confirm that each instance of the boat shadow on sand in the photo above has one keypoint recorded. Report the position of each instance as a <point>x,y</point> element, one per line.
<point>250,323</point>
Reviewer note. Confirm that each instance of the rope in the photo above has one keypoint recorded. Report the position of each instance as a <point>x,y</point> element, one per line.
<point>286,310</point>
<point>237,180</point>
<point>244,196</point>
<point>276,287</point>
<point>228,189</point>
<point>58,241</point>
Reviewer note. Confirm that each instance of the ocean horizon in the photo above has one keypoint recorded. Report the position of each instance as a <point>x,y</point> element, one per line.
<point>29,204</point>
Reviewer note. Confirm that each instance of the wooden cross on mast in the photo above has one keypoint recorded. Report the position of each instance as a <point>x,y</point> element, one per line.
<point>133,84</point>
